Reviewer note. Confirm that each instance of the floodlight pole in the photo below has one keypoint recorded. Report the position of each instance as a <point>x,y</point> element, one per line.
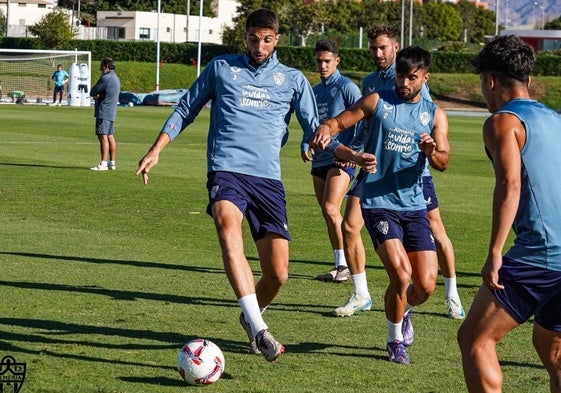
<point>188,11</point>
<point>402,22</point>
<point>7,17</point>
<point>158,48</point>
<point>410,22</point>
<point>496,17</point>
<point>200,37</point>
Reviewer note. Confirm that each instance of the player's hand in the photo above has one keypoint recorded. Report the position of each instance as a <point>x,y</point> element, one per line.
<point>343,163</point>
<point>490,272</point>
<point>367,161</point>
<point>147,163</point>
<point>308,155</point>
<point>321,137</point>
<point>427,144</point>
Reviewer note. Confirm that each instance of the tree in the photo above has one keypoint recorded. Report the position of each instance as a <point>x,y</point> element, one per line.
<point>53,30</point>
<point>2,25</point>
<point>555,24</point>
<point>441,21</point>
<point>477,22</point>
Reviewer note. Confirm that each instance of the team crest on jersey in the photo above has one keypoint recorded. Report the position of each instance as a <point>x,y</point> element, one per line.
<point>425,118</point>
<point>387,107</point>
<point>334,91</point>
<point>235,71</point>
<point>278,78</point>
<point>383,227</point>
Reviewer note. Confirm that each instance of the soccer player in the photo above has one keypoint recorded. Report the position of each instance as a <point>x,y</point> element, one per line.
<point>60,77</point>
<point>253,95</point>
<point>106,95</point>
<point>521,139</point>
<point>383,48</point>
<point>405,130</point>
<point>334,94</point>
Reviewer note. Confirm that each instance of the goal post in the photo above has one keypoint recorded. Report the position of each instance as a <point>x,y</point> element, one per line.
<point>26,75</point>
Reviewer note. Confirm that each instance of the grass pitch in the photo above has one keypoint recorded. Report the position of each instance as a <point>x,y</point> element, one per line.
<point>103,279</point>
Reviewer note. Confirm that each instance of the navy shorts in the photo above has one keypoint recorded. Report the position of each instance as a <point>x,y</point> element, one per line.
<point>59,89</point>
<point>262,201</point>
<point>354,190</point>
<point>531,290</point>
<point>322,171</point>
<point>411,227</point>
<point>429,193</point>
<point>103,127</point>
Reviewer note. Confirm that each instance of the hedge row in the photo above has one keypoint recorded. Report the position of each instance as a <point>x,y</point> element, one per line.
<point>298,57</point>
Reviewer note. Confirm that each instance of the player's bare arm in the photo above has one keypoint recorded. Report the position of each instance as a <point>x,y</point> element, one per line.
<point>436,146</point>
<point>365,160</point>
<point>504,136</point>
<point>151,158</point>
<point>362,109</point>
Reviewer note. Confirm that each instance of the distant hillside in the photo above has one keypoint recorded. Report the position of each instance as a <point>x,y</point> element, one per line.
<point>527,13</point>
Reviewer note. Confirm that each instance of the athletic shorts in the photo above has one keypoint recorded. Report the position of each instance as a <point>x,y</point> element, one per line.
<point>411,227</point>
<point>429,193</point>
<point>531,290</point>
<point>322,171</point>
<point>354,190</point>
<point>262,201</point>
<point>59,89</point>
<point>103,127</point>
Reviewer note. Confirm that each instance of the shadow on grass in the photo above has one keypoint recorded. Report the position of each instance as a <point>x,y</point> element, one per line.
<point>100,261</point>
<point>42,166</point>
<point>164,381</point>
<point>122,295</point>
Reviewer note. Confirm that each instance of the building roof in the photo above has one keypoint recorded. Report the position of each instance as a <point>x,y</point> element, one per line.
<point>555,34</point>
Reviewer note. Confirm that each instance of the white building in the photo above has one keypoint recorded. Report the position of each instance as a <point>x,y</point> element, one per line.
<point>174,28</point>
<point>126,25</point>
<point>24,13</point>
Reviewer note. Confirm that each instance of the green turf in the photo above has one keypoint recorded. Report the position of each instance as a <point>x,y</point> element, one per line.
<point>103,279</point>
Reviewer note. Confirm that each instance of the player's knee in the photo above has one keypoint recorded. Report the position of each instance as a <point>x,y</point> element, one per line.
<point>351,229</point>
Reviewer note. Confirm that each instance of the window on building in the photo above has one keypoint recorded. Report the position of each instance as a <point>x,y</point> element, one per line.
<point>41,5</point>
<point>144,33</point>
<point>168,29</point>
<point>22,5</point>
<point>210,32</point>
<point>115,33</point>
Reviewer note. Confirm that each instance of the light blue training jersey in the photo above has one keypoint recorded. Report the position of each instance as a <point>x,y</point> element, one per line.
<point>537,224</point>
<point>250,111</point>
<point>393,137</point>
<point>385,80</point>
<point>59,77</point>
<point>333,96</point>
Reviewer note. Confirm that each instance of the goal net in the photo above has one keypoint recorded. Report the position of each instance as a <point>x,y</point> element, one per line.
<point>26,74</point>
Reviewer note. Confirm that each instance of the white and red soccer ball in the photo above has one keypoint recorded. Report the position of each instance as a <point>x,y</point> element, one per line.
<point>200,362</point>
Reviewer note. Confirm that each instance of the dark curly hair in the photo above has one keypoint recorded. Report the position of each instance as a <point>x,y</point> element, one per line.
<point>379,30</point>
<point>412,58</point>
<point>327,46</point>
<point>508,57</point>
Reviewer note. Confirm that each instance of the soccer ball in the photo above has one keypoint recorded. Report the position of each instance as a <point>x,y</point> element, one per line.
<point>200,362</point>
<point>131,104</point>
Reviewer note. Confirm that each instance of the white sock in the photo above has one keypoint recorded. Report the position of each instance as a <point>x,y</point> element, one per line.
<point>112,163</point>
<point>339,258</point>
<point>252,313</point>
<point>450,289</point>
<point>103,163</point>
<point>360,285</point>
<point>394,331</point>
